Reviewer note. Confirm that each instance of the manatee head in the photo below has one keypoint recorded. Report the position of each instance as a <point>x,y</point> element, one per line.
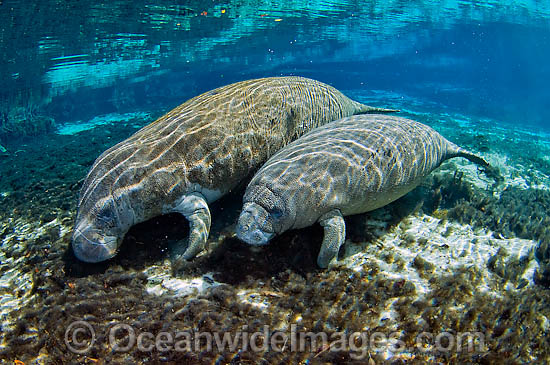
<point>129,183</point>
<point>264,215</point>
<point>98,232</point>
<point>105,212</point>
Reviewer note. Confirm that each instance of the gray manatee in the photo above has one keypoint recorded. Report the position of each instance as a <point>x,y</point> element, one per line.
<point>350,166</point>
<point>196,153</point>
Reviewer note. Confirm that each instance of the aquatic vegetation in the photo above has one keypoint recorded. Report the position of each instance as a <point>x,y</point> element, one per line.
<point>24,122</point>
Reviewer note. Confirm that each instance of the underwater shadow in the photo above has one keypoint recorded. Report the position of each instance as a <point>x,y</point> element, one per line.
<point>235,262</point>
<point>144,245</point>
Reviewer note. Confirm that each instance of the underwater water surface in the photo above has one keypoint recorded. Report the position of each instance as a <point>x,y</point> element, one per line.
<point>459,255</point>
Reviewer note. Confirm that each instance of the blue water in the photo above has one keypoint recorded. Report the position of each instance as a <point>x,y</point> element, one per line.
<point>74,60</point>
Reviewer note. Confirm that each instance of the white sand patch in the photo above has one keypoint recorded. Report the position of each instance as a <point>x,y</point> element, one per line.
<point>160,282</point>
<point>445,246</point>
<point>257,298</point>
<point>113,118</point>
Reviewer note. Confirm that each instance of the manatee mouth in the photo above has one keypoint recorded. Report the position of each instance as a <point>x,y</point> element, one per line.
<point>250,231</point>
<point>90,246</point>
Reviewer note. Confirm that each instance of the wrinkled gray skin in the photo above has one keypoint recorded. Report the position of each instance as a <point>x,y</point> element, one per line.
<point>346,167</point>
<point>195,154</point>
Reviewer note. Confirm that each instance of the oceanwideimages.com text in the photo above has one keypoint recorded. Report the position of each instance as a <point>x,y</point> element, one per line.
<point>80,337</point>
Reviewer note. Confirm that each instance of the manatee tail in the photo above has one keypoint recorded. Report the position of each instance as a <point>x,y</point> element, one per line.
<point>470,156</point>
<point>490,171</point>
<point>367,109</point>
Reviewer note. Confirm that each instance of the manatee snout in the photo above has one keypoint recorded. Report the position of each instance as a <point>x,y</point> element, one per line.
<point>99,231</point>
<point>91,245</point>
<point>254,226</point>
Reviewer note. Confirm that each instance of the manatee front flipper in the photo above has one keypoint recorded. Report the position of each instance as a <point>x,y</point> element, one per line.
<point>335,235</point>
<point>195,208</point>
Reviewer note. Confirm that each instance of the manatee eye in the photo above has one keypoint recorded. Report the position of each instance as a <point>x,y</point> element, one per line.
<point>106,216</point>
<point>276,213</point>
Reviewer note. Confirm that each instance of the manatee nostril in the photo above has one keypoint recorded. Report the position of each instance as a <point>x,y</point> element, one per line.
<point>257,237</point>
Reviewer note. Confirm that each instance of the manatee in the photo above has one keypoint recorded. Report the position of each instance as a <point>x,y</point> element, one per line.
<point>195,154</point>
<point>350,166</point>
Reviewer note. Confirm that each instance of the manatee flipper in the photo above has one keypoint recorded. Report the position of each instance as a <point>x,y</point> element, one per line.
<point>335,235</point>
<point>195,208</point>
